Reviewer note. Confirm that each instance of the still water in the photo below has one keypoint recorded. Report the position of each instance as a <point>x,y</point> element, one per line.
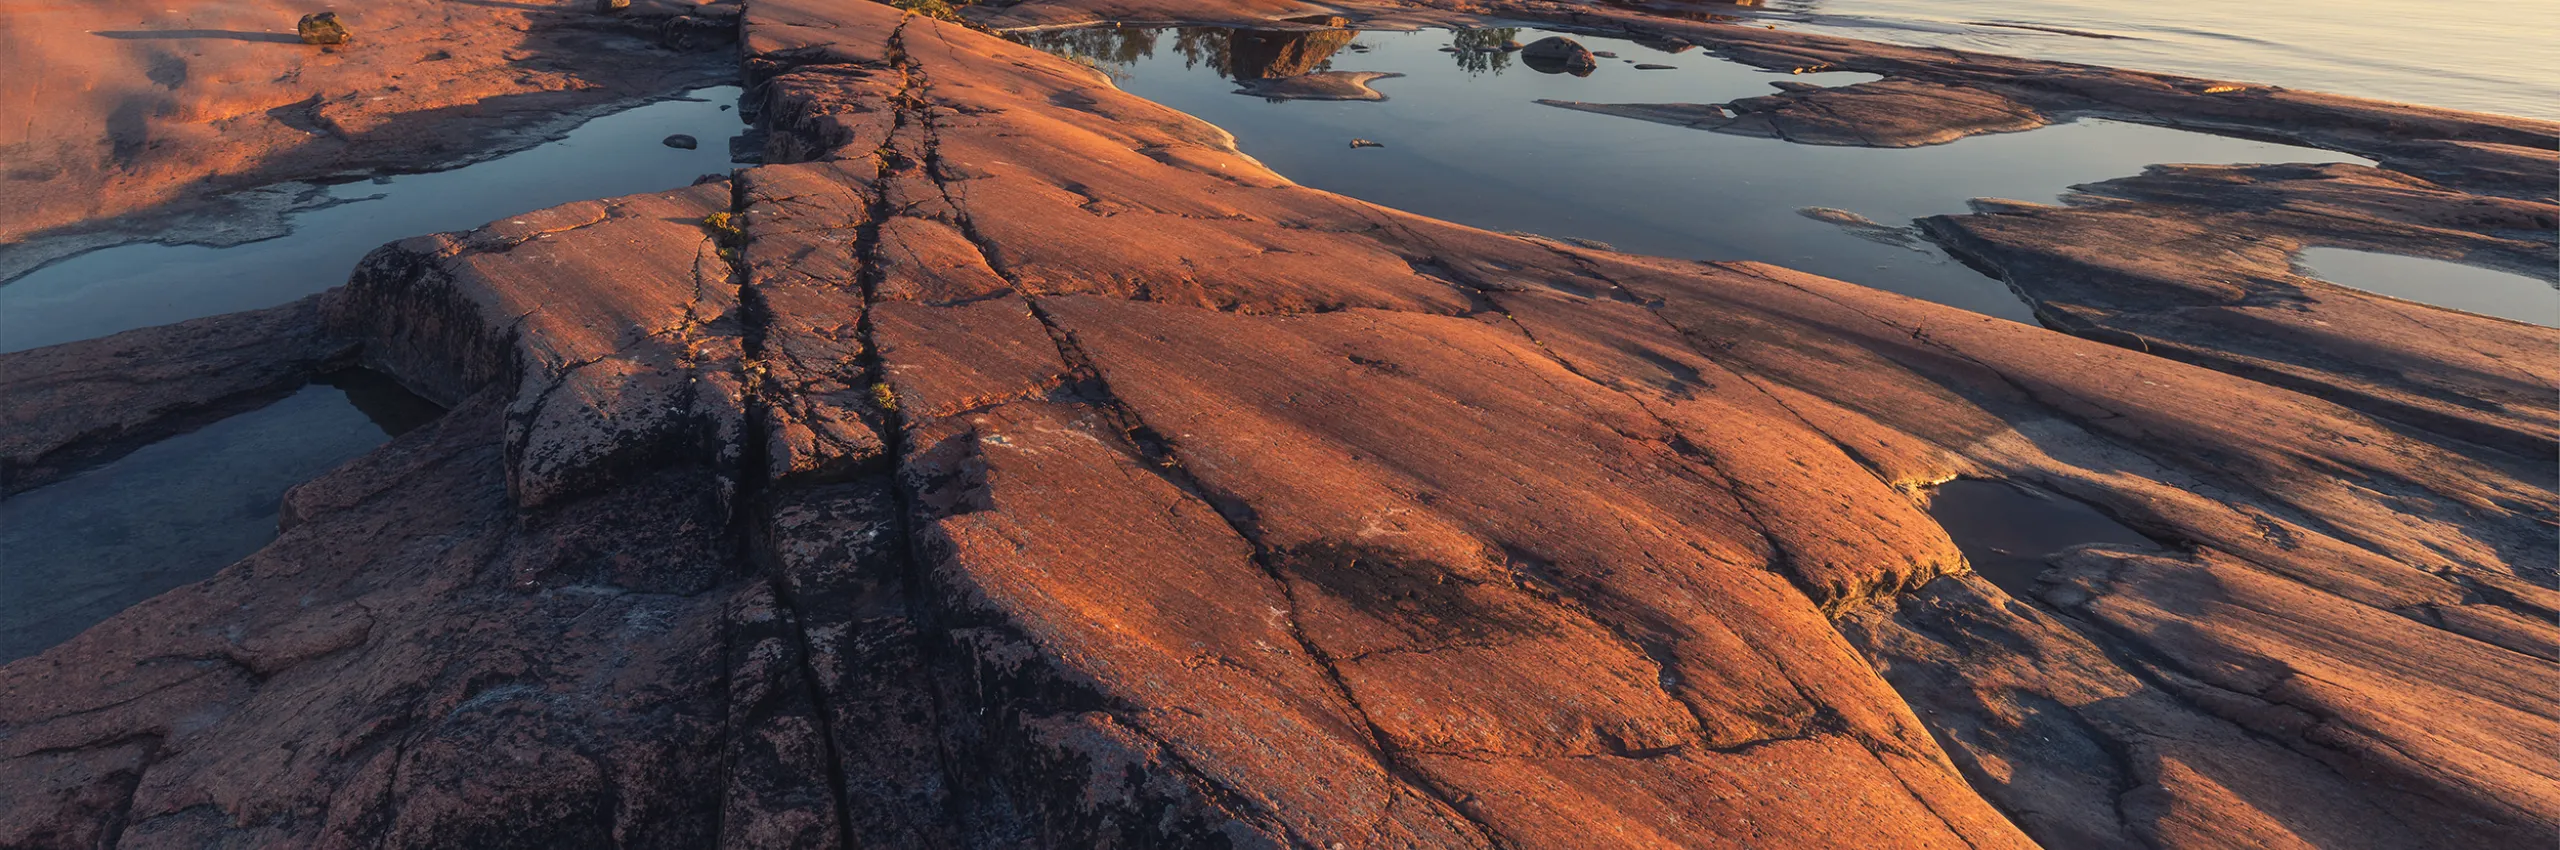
<point>77,551</point>
<point>1464,140</point>
<point>140,285</point>
<point>2471,289</point>
<point>2484,55</point>
<point>2009,531</point>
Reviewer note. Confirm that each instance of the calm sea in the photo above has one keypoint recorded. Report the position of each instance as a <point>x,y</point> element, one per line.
<point>2487,55</point>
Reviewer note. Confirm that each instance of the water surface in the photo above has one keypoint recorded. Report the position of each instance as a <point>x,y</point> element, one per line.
<point>1465,141</point>
<point>79,550</point>
<point>134,286</point>
<point>2009,530</point>
<point>2484,55</point>
<point>2451,285</point>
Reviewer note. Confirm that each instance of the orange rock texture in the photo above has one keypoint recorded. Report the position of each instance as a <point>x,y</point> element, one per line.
<point>1013,462</point>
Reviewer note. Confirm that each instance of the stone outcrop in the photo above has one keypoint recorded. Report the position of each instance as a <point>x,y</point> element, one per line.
<point>177,109</point>
<point>1014,462</point>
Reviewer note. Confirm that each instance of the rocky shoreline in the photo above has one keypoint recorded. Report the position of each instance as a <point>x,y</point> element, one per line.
<point>1010,461</point>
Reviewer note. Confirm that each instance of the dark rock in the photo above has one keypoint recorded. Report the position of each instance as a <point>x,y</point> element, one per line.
<point>321,28</point>
<point>1365,143</point>
<point>1556,54</point>
<point>1648,66</point>
<point>681,140</point>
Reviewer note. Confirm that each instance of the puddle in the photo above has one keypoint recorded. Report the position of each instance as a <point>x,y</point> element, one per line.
<point>140,285</point>
<point>2446,284</point>
<point>2008,530</point>
<point>1463,141</point>
<point>79,550</point>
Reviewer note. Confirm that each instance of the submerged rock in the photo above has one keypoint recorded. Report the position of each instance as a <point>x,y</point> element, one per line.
<point>681,141</point>
<point>1557,54</point>
<point>321,28</point>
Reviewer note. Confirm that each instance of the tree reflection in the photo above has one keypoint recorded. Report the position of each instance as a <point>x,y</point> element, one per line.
<point>1485,50</point>
<point>1112,45</point>
<point>1238,54</point>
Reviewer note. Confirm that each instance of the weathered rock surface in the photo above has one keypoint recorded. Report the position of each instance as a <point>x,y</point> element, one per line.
<point>2195,263</point>
<point>1015,463</point>
<point>176,106</point>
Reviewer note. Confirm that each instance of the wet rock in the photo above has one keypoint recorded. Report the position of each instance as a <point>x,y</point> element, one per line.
<point>1648,66</point>
<point>1557,54</point>
<point>680,141</point>
<point>321,28</point>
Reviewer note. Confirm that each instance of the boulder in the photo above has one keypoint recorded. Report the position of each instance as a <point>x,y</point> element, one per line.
<point>1556,54</point>
<point>682,142</point>
<point>321,28</point>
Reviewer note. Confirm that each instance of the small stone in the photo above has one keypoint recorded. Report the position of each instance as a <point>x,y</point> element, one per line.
<point>1604,54</point>
<point>682,141</point>
<point>1648,66</point>
<point>321,28</point>
<point>1365,143</point>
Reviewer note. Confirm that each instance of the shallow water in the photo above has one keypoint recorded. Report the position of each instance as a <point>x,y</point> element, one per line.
<point>1465,142</point>
<point>2471,289</point>
<point>133,286</point>
<point>79,550</point>
<point>2008,530</point>
<point>2486,55</point>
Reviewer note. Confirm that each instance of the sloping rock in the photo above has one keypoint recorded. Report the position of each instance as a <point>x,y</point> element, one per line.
<point>2195,263</point>
<point>1015,463</point>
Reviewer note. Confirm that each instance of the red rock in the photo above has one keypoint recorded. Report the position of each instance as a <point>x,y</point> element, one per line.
<point>1016,463</point>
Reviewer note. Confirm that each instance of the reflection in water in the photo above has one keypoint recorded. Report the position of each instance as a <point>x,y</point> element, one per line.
<point>1485,50</point>
<point>2008,530</point>
<point>1269,55</point>
<point>79,550</point>
<point>2450,285</point>
<point>1235,54</point>
<point>1474,148</point>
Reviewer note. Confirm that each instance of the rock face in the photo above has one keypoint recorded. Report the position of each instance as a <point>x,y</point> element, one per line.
<point>1013,462</point>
